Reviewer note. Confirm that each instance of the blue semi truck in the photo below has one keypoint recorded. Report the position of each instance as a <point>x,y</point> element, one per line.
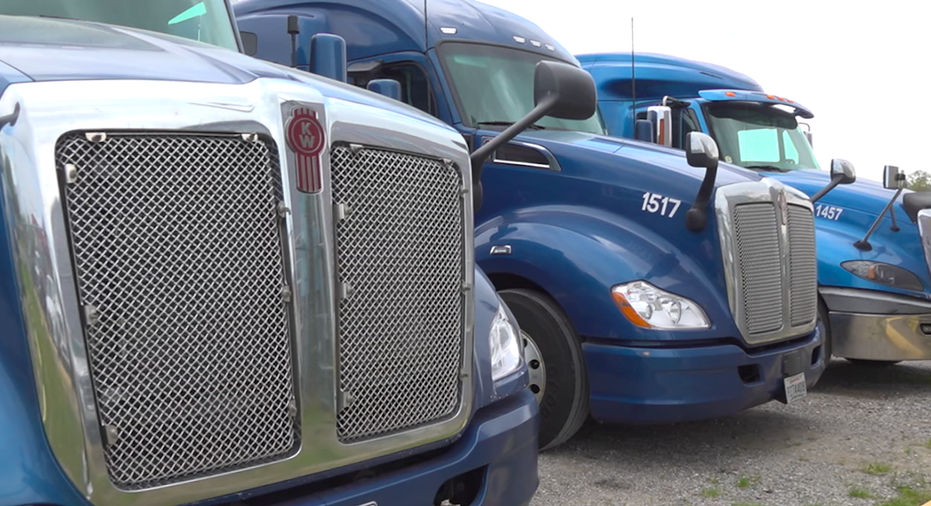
<point>227,282</point>
<point>649,286</point>
<point>874,239</point>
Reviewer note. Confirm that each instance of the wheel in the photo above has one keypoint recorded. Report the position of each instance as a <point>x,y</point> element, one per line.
<point>553,354</point>
<point>827,347</point>
<point>536,366</point>
<point>873,363</point>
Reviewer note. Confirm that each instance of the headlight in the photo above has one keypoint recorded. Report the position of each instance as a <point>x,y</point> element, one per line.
<point>885,274</point>
<point>649,307</point>
<point>505,345</point>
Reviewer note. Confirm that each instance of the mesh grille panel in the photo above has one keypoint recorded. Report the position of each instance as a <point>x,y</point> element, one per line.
<point>758,254</point>
<point>803,273</point>
<point>178,252</point>
<point>400,326</point>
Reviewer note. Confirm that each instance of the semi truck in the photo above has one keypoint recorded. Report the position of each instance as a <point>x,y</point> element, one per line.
<point>229,282</point>
<point>650,287</point>
<point>874,239</point>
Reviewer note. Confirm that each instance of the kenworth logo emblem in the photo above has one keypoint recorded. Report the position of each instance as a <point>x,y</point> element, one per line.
<point>783,208</point>
<point>306,139</point>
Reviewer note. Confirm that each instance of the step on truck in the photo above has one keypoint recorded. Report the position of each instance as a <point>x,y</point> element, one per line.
<point>874,240</point>
<point>228,282</point>
<point>649,286</point>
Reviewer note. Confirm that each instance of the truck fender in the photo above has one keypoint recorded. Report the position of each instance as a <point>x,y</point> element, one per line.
<point>835,241</point>
<point>577,254</point>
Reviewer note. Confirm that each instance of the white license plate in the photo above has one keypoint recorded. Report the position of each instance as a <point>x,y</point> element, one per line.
<point>796,389</point>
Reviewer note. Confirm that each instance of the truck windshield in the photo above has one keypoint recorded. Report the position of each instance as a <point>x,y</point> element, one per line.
<point>206,21</point>
<point>758,136</point>
<point>494,86</point>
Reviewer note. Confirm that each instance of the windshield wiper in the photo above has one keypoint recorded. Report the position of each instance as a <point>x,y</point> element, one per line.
<point>765,167</point>
<point>507,124</point>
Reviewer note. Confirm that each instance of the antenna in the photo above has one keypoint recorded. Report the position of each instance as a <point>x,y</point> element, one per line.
<point>633,77</point>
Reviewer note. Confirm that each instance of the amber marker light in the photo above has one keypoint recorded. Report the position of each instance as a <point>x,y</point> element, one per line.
<point>629,312</point>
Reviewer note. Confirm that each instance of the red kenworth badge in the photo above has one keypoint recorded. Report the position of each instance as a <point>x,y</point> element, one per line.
<point>306,138</point>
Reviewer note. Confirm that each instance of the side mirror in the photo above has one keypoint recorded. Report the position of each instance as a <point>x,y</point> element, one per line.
<point>842,172</point>
<point>250,43</point>
<point>661,117</point>
<point>811,138</point>
<point>560,90</point>
<point>643,130</point>
<point>893,178</point>
<point>387,87</point>
<point>701,151</point>
<point>328,56</point>
<point>565,91</point>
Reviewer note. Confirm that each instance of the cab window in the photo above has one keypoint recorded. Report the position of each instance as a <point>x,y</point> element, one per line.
<point>415,86</point>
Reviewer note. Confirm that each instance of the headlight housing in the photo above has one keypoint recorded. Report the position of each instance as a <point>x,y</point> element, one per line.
<point>884,274</point>
<point>505,344</point>
<point>651,308</point>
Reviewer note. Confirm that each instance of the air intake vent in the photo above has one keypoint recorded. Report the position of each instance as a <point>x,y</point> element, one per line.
<point>758,255</point>
<point>401,312</point>
<point>180,270</point>
<point>803,266</point>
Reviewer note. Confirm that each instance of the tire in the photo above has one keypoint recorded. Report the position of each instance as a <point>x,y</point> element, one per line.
<point>564,403</point>
<point>827,348</point>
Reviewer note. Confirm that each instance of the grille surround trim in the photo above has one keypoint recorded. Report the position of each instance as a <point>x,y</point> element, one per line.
<point>765,191</point>
<point>52,325</point>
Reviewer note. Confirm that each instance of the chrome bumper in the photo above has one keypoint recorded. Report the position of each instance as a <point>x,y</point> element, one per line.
<point>878,326</point>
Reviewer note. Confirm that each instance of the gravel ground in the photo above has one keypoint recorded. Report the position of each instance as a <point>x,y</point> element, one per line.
<point>861,431</point>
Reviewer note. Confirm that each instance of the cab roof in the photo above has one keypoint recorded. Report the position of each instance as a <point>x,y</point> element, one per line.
<point>387,26</point>
<point>659,75</point>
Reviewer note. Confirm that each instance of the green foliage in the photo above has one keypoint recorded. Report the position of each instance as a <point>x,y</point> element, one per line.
<point>860,493</point>
<point>711,493</point>
<point>909,497</point>
<point>743,482</point>
<point>877,468</point>
<point>919,181</point>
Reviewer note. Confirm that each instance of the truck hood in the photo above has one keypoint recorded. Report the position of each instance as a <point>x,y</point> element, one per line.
<point>44,49</point>
<point>863,195</point>
<point>578,146</point>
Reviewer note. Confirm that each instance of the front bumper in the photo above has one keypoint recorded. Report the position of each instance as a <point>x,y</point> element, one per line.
<point>871,325</point>
<point>501,441</point>
<point>660,385</point>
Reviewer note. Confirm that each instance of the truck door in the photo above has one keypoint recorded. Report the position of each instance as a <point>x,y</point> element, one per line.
<point>409,69</point>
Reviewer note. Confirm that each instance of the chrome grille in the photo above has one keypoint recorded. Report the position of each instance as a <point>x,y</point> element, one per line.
<point>803,269</point>
<point>400,318</point>
<point>180,271</point>
<point>758,256</point>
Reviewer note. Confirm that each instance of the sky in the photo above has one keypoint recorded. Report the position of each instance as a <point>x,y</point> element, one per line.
<point>851,63</point>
